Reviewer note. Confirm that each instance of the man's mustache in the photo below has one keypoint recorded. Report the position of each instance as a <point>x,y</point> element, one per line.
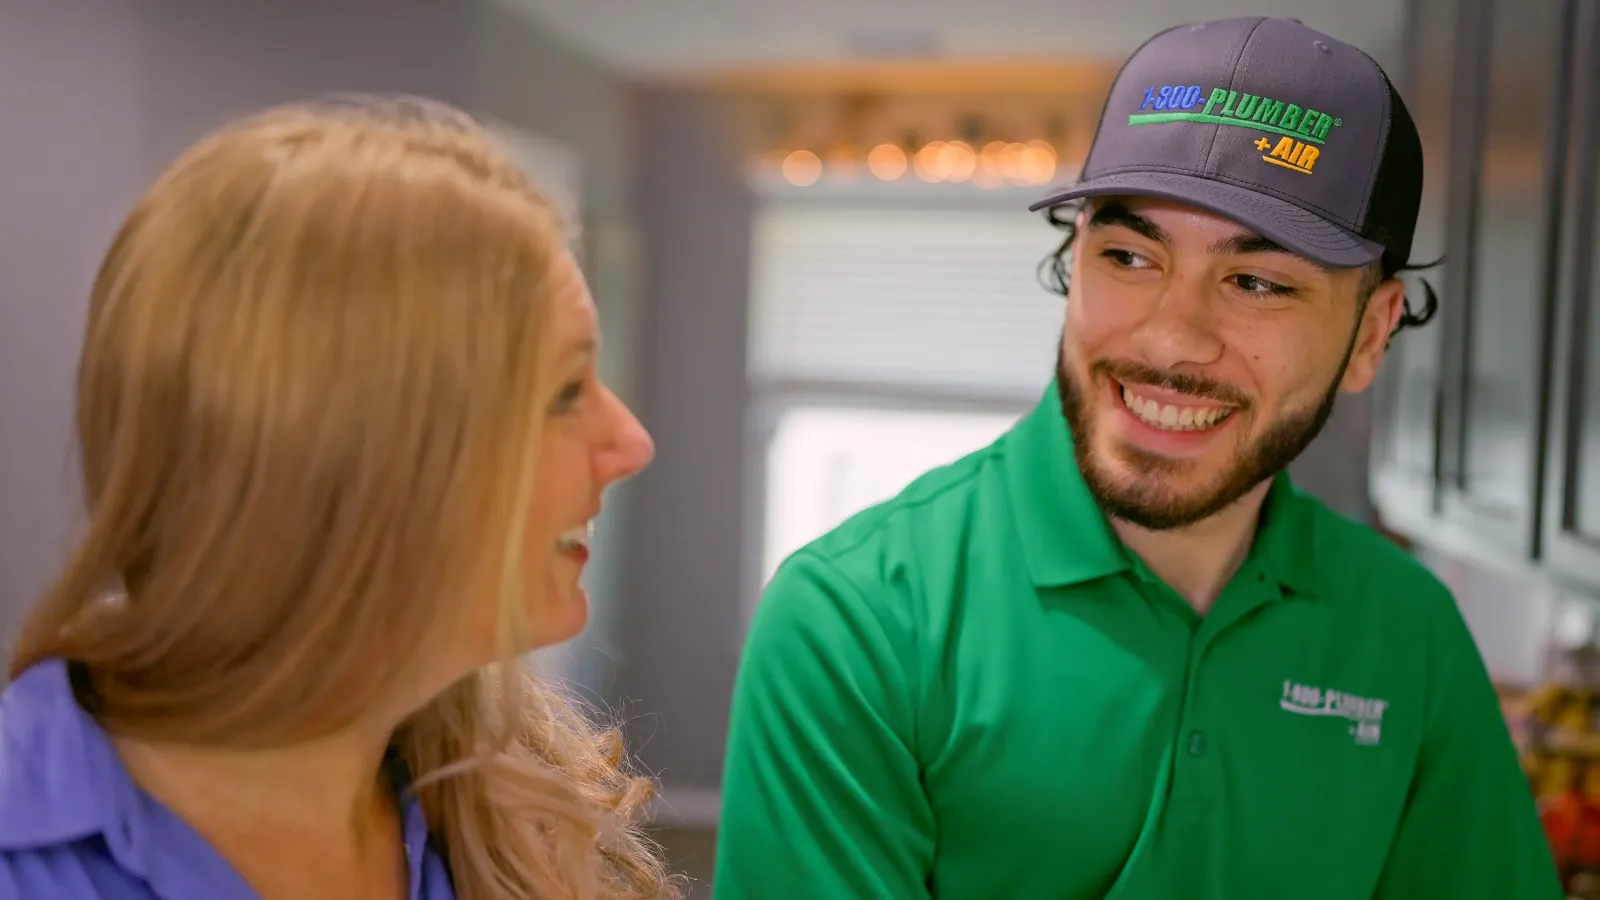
<point>1130,373</point>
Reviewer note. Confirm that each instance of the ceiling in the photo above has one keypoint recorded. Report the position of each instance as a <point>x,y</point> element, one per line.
<point>693,38</point>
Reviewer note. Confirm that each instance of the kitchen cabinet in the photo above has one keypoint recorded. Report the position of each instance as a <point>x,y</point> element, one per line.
<point>1572,501</point>
<point>1407,402</point>
<point>1492,96</point>
<point>1497,339</point>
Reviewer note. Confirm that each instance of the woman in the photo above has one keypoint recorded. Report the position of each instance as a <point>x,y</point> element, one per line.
<point>342,436</point>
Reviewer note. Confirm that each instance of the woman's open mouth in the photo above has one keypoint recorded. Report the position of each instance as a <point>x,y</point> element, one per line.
<point>574,542</point>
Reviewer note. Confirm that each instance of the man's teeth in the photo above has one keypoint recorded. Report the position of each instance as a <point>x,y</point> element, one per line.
<point>576,538</point>
<point>1174,418</point>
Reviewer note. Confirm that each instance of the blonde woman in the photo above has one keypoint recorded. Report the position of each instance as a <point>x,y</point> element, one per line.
<point>342,436</point>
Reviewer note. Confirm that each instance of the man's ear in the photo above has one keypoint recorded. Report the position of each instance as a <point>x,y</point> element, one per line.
<point>1378,320</point>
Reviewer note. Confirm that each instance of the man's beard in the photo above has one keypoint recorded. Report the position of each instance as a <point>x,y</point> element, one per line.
<point>1154,497</point>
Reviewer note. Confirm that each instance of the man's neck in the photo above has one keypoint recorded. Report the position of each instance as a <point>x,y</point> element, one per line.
<point>1197,561</point>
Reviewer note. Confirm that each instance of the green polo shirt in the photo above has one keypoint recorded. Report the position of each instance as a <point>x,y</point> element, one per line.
<point>974,692</point>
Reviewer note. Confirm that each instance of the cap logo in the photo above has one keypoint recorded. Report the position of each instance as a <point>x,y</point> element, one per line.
<point>1221,106</point>
<point>1291,154</point>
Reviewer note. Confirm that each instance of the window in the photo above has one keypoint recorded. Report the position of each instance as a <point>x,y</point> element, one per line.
<point>932,299</point>
<point>887,341</point>
<point>826,463</point>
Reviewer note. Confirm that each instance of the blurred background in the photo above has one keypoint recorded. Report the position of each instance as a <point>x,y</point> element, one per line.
<point>805,228</point>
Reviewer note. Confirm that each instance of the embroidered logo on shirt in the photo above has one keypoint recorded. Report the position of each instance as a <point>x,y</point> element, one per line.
<point>1365,713</point>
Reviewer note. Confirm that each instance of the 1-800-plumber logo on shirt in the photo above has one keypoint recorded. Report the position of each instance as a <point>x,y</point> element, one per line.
<point>1365,713</point>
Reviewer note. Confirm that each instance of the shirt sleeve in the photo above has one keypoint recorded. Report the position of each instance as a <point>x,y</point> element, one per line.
<point>821,793</point>
<point>1470,830</point>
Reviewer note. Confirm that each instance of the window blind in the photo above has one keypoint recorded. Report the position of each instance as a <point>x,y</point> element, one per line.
<point>928,298</point>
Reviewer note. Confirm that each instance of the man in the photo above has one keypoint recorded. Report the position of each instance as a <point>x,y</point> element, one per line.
<point>1116,654</point>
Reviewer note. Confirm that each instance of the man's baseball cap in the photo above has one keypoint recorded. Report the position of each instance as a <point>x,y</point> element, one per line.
<point>1292,134</point>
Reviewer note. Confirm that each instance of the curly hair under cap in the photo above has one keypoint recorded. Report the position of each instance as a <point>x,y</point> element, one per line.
<point>1055,270</point>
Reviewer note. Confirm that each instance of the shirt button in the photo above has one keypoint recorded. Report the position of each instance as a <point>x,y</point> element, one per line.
<point>1197,743</point>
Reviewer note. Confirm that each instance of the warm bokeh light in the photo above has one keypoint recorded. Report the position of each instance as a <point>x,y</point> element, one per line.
<point>929,162</point>
<point>997,163</point>
<point>989,159</point>
<point>1036,163</point>
<point>957,160</point>
<point>802,168</point>
<point>843,162</point>
<point>1010,162</point>
<point>887,162</point>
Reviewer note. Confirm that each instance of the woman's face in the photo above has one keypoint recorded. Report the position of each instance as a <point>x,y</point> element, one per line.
<point>590,442</point>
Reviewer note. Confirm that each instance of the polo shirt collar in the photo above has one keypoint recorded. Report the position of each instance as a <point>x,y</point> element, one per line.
<point>54,763</point>
<point>1286,539</point>
<point>1064,535</point>
<point>1067,540</point>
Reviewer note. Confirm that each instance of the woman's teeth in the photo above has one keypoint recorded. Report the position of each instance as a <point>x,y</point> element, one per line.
<point>576,538</point>
<point>1174,418</point>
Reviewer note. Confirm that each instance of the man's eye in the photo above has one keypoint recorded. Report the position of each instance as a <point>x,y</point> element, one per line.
<point>1127,259</point>
<point>1252,284</point>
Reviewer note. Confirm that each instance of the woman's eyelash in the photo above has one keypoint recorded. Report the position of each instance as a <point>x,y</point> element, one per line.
<point>568,396</point>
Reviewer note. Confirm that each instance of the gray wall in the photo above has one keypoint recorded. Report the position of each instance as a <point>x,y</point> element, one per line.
<point>684,578</point>
<point>205,61</point>
<point>522,76</point>
<point>519,73</point>
<point>99,94</point>
<point>71,88</point>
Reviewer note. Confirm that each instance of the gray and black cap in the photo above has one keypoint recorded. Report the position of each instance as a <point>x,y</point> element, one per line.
<point>1278,127</point>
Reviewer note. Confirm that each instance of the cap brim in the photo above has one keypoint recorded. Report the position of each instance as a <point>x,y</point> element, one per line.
<point>1279,221</point>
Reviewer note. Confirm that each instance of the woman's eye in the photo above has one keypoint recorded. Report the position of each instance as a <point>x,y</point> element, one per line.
<point>568,396</point>
<point>1252,284</point>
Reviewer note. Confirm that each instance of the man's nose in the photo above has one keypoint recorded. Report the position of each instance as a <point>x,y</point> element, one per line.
<point>1180,330</point>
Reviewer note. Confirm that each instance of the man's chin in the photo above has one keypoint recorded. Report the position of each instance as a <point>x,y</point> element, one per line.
<point>1157,494</point>
<point>1131,463</point>
<point>1147,509</point>
<point>1162,492</point>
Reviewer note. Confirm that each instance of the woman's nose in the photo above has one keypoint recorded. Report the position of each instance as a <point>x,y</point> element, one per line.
<point>628,448</point>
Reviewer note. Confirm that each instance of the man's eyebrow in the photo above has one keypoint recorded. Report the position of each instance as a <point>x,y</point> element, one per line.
<point>1242,244</point>
<point>1115,214</point>
<point>1247,243</point>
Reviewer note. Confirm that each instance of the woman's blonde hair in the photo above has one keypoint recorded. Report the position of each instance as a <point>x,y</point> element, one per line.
<point>309,407</point>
